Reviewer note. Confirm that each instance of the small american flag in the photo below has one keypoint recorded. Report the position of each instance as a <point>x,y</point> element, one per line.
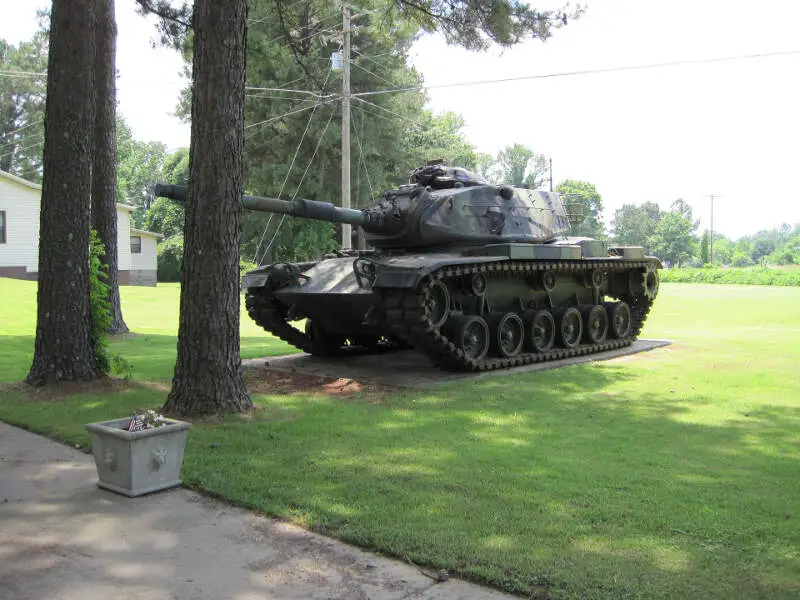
<point>136,423</point>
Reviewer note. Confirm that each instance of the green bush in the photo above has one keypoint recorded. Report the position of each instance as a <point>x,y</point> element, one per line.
<point>101,308</point>
<point>245,266</point>
<point>749,276</point>
<point>740,259</point>
<point>170,259</point>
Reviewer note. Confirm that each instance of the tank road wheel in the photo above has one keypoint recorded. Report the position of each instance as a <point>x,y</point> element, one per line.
<point>541,330</point>
<point>508,334</point>
<point>548,281</point>
<point>619,318</point>
<point>437,304</point>
<point>471,336</point>
<point>651,283</point>
<point>595,323</point>
<point>322,342</point>
<point>570,327</point>
<point>643,282</point>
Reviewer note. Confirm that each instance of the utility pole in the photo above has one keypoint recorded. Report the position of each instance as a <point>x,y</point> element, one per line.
<point>551,173</point>
<point>346,227</point>
<point>711,235</point>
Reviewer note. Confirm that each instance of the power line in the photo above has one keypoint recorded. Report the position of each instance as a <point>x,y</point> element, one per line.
<point>674,63</point>
<point>291,165</point>
<point>23,148</point>
<point>358,66</point>
<point>295,91</point>
<point>31,124</point>
<point>286,114</point>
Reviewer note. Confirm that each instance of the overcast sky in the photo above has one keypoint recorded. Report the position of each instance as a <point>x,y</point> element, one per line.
<point>728,128</point>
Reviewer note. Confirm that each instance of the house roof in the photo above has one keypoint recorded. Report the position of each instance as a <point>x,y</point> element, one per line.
<point>150,233</point>
<point>20,180</point>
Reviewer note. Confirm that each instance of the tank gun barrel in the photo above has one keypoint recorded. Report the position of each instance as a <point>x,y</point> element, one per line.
<point>308,209</point>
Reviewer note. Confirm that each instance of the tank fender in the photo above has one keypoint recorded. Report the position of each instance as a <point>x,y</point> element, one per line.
<point>275,276</point>
<point>408,272</point>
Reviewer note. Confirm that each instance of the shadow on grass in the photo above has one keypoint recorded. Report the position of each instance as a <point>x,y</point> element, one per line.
<point>545,484</point>
<point>152,356</point>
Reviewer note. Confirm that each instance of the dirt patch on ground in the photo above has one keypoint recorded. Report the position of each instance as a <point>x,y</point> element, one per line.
<point>266,381</point>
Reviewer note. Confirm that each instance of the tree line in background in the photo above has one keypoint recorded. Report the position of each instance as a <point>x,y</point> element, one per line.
<point>673,236</point>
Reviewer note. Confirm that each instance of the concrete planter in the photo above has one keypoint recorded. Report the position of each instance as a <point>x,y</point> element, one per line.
<point>134,463</point>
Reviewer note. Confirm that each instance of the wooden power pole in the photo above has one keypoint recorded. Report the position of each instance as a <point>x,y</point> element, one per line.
<point>346,227</point>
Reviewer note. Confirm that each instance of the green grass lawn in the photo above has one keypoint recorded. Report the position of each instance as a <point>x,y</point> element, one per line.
<point>670,474</point>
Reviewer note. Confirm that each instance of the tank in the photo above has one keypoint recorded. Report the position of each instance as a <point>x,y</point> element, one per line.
<point>474,276</point>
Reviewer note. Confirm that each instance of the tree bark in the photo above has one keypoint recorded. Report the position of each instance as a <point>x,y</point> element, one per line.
<point>208,377</point>
<point>104,166</point>
<point>63,350</point>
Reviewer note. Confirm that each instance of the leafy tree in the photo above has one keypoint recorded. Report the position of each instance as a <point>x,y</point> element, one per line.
<point>63,349</point>
<point>486,167</point>
<point>208,377</point>
<point>22,106</point>
<point>587,197</point>
<point>468,23</point>
<point>635,224</point>
<point>723,250</point>
<point>166,217</point>
<point>673,238</point>
<point>440,137</point>
<point>704,243</point>
<point>139,167</point>
<point>519,165</point>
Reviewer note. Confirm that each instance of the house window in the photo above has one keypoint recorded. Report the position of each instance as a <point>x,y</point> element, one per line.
<point>136,244</point>
<point>2,227</point>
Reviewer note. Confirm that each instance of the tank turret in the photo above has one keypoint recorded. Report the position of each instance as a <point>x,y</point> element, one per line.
<point>440,207</point>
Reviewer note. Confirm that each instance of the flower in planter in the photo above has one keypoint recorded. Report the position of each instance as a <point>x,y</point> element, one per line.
<point>147,420</point>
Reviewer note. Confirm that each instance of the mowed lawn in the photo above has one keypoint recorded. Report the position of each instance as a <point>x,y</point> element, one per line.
<point>670,474</point>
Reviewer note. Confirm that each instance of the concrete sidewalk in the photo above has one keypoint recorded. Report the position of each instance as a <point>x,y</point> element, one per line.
<point>62,538</point>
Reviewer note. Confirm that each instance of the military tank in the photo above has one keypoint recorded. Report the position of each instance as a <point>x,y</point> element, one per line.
<point>474,276</point>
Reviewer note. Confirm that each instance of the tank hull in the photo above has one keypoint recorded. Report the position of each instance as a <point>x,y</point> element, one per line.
<point>484,308</point>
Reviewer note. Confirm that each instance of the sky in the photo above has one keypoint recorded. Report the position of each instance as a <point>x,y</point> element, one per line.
<point>728,128</point>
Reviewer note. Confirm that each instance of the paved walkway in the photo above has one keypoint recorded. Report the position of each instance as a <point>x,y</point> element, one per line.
<point>62,538</point>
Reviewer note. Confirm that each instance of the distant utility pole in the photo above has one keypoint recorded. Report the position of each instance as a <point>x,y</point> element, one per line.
<point>551,173</point>
<point>711,237</point>
<point>346,228</point>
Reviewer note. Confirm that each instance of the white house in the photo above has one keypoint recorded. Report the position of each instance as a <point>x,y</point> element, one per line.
<point>20,201</point>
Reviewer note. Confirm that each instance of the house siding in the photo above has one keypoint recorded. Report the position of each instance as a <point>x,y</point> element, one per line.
<point>123,239</point>
<point>19,255</point>
<point>142,271</point>
<point>21,205</point>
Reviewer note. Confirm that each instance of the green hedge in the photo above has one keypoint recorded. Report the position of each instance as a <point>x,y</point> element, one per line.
<point>750,276</point>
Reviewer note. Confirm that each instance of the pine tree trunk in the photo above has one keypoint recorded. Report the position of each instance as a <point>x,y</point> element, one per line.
<point>208,376</point>
<point>63,349</point>
<point>104,171</point>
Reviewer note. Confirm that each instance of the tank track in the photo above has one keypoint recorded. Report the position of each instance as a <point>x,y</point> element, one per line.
<point>265,311</point>
<point>407,317</point>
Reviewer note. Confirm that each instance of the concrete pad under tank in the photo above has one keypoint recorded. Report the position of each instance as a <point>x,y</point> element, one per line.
<point>411,369</point>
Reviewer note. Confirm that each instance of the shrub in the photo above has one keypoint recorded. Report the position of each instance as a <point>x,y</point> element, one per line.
<point>740,259</point>
<point>170,259</point>
<point>750,276</point>
<point>101,308</point>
